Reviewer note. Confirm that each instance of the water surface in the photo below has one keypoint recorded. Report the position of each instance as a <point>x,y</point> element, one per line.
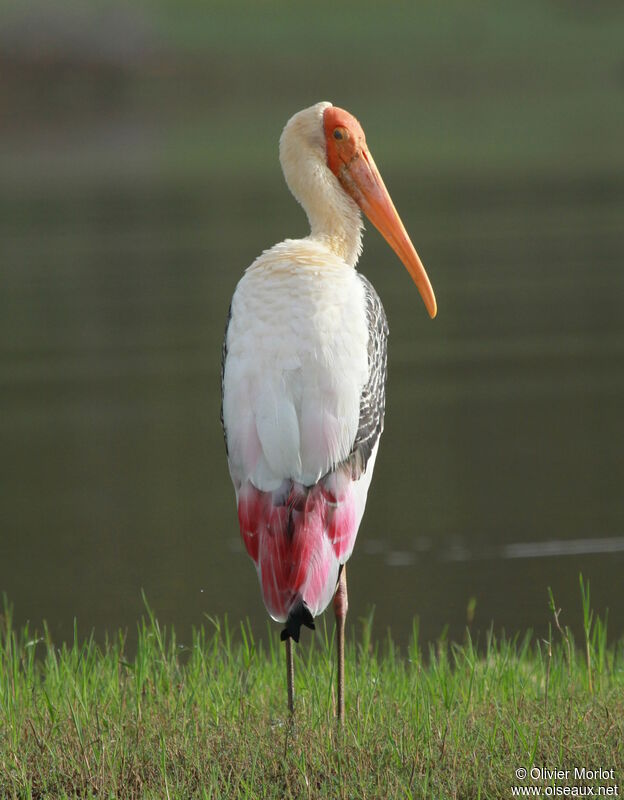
<point>500,470</point>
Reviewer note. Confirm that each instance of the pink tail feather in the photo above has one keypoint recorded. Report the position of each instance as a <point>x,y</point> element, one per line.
<point>298,537</point>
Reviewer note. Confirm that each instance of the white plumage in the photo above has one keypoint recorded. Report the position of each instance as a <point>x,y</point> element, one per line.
<point>297,363</point>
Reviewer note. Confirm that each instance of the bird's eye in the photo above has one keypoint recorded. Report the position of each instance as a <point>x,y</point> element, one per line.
<point>338,134</point>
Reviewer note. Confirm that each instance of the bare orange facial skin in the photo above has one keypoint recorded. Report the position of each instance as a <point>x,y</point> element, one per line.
<point>350,160</point>
<point>344,138</point>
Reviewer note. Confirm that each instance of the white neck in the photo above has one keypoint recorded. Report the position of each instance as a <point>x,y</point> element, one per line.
<point>338,225</point>
<point>335,219</point>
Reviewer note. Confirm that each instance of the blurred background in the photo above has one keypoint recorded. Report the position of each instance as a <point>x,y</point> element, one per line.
<point>139,176</point>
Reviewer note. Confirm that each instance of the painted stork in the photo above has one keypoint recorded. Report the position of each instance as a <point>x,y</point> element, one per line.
<point>303,377</point>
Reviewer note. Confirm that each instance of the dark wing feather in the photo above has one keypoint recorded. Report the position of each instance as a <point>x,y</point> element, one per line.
<point>373,399</point>
<point>223,359</point>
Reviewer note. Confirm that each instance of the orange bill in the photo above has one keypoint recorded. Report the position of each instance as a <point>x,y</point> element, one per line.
<point>362,181</point>
<point>350,160</point>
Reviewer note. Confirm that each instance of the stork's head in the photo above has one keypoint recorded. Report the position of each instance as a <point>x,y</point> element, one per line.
<point>326,162</point>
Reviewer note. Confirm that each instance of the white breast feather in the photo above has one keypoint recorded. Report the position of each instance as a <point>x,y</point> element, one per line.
<point>297,362</point>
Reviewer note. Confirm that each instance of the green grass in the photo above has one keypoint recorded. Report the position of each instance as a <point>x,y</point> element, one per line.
<point>208,719</point>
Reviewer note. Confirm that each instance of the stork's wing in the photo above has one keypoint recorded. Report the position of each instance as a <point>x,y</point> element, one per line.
<point>373,398</point>
<point>224,351</point>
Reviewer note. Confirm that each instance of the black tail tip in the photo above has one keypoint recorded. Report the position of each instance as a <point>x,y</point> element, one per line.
<point>300,615</point>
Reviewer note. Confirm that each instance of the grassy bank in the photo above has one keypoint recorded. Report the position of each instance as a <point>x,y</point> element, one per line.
<point>207,719</point>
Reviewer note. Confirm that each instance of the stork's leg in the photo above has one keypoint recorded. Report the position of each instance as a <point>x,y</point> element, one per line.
<point>290,676</point>
<point>340,609</point>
